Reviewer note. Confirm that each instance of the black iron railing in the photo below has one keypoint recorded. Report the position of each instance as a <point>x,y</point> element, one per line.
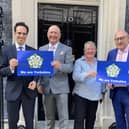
<point>1,79</point>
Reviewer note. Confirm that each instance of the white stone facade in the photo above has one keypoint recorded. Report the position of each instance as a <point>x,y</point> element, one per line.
<point>110,19</point>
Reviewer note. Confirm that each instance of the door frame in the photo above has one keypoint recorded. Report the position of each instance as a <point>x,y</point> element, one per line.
<point>108,23</point>
<point>111,18</point>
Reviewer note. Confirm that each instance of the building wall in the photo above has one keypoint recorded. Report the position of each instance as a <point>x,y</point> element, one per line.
<point>108,19</point>
<point>7,21</point>
<point>127,16</point>
<point>7,33</point>
<point>111,18</point>
<point>27,11</point>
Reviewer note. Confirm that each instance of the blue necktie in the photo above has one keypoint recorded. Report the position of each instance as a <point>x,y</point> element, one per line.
<point>20,48</point>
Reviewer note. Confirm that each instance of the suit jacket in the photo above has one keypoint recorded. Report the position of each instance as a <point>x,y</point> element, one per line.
<point>112,57</point>
<point>15,85</point>
<point>58,83</point>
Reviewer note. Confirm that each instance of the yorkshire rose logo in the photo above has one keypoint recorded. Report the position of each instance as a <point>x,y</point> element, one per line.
<point>35,61</point>
<point>113,70</point>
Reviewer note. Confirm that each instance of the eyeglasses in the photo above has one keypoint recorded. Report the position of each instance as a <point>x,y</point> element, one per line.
<point>120,38</point>
<point>20,33</point>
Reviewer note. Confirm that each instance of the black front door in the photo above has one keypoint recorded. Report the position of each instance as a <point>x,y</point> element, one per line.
<point>78,24</point>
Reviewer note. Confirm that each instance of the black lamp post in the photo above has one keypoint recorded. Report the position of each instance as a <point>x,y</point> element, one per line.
<point>1,79</point>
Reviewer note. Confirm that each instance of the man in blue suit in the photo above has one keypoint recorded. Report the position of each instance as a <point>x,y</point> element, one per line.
<point>120,93</point>
<point>19,90</point>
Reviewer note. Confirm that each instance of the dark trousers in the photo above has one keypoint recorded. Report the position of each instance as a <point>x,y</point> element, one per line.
<point>85,113</point>
<point>13,108</point>
<point>120,103</point>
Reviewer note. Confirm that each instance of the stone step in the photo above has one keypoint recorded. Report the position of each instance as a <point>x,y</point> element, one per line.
<point>41,125</point>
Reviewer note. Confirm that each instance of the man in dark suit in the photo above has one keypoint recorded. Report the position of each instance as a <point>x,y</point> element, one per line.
<point>56,87</point>
<point>19,90</point>
<point>120,93</point>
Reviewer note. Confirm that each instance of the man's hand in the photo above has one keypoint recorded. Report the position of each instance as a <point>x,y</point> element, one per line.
<point>40,89</point>
<point>32,85</point>
<point>56,64</point>
<point>110,86</point>
<point>13,63</point>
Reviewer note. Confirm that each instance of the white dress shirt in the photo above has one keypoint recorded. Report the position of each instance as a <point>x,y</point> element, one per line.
<point>122,57</point>
<point>18,47</point>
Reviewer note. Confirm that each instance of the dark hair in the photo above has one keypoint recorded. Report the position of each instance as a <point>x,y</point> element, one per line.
<point>21,24</point>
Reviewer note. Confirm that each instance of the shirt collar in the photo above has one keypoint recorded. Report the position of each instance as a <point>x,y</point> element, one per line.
<point>55,45</point>
<point>83,58</point>
<point>125,50</point>
<point>17,46</point>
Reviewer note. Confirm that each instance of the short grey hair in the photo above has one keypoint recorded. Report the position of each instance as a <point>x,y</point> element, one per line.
<point>89,43</point>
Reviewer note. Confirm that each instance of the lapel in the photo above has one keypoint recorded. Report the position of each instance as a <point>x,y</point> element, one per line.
<point>14,51</point>
<point>47,47</point>
<point>44,48</point>
<point>128,57</point>
<point>27,47</point>
<point>58,51</point>
<point>114,54</point>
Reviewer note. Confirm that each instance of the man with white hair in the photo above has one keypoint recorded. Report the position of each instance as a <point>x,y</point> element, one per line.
<point>56,87</point>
